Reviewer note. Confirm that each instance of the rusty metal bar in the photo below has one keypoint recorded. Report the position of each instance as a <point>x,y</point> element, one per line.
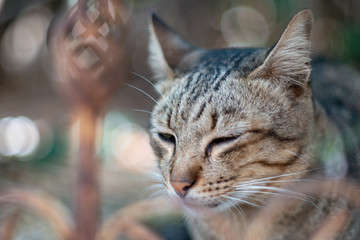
<point>44,206</point>
<point>9,226</point>
<point>87,182</point>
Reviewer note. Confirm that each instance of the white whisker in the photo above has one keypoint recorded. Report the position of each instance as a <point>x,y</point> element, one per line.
<point>155,175</point>
<point>273,181</point>
<point>254,199</point>
<point>155,186</point>
<point>281,175</point>
<point>242,201</point>
<point>160,194</point>
<point>232,211</point>
<point>141,110</point>
<point>155,87</point>
<point>269,188</point>
<point>233,204</point>
<point>142,91</point>
<point>297,155</point>
<point>278,192</point>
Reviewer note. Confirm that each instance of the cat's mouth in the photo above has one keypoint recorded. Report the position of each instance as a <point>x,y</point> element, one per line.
<point>213,205</point>
<point>194,202</point>
<point>202,209</point>
<point>197,206</point>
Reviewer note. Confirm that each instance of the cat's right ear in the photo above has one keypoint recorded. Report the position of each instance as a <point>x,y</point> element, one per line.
<point>289,60</point>
<point>166,49</point>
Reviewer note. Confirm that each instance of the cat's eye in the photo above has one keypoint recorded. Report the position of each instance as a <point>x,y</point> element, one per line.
<point>167,137</point>
<point>219,141</point>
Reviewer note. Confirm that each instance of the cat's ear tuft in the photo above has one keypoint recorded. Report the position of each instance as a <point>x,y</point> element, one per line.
<point>166,49</point>
<point>289,60</point>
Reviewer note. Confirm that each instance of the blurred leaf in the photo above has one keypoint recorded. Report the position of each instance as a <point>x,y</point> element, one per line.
<point>352,39</point>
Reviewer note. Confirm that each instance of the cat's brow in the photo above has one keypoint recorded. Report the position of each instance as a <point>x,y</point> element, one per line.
<point>236,129</point>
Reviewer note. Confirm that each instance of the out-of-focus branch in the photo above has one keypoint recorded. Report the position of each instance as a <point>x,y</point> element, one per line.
<point>127,220</point>
<point>9,226</point>
<point>332,226</point>
<point>44,206</point>
<point>130,228</point>
<point>88,53</point>
<point>87,188</point>
<point>260,228</point>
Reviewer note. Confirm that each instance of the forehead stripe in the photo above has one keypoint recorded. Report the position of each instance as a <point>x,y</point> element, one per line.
<point>214,119</point>
<point>198,115</point>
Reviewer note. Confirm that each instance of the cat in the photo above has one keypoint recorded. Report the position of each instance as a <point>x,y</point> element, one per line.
<point>234,127</point>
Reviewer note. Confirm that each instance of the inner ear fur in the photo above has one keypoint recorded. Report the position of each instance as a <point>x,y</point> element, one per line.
<point>288,62</point>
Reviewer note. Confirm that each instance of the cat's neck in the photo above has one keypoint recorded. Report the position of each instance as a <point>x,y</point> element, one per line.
<point>228,224</point>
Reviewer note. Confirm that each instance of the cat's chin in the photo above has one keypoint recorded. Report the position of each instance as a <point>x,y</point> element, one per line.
<point>199,208</point>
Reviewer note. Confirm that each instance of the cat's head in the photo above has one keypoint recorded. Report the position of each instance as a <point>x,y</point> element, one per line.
<point>231,124</point>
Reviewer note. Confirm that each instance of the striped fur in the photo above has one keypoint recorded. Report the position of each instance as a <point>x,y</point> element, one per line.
<point>240,125</point>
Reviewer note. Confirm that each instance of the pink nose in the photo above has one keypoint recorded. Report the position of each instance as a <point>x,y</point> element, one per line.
<point>181,188</point>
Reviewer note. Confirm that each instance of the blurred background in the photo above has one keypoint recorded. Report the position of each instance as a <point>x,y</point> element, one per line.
<point>37,134</point>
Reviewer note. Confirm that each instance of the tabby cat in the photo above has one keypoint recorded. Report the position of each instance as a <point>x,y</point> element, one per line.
<point>235,127</point>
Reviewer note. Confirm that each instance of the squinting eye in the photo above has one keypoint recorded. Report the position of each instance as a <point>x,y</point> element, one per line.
<point>167,137</point>
<point>219,141</point>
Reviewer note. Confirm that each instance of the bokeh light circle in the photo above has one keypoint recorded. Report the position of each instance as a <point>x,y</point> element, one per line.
<point>244,27</point>
<point>24,38</point>
<point>19,137</point>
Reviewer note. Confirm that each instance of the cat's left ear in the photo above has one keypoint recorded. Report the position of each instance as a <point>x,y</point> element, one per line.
<point>166,49</point>
<point>289,60</point>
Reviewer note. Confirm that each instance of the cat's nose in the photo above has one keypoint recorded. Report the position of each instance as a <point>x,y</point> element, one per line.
<point>181,188</point>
